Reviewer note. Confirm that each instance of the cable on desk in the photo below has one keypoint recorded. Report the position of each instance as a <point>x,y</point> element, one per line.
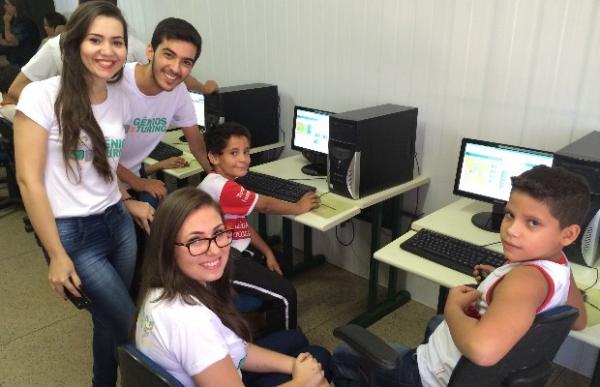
<point>345,244</point>
<point>592,285</point>
<point>416,213</point>
<point>309,178</point>
<point>491,244</point>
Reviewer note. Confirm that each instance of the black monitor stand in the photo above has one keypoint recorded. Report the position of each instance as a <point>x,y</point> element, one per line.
<point>318,163</point>
<point>315,169</point>
<point>490,221</point>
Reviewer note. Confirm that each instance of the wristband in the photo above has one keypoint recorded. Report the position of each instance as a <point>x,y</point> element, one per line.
<point>129,198</point>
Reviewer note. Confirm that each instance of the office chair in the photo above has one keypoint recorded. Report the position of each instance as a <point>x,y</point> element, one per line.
<point>7,159</point>
<point>527,364</point>
<point>138,370</point>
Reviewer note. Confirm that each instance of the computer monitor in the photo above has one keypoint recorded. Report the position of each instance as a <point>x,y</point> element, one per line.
<point>484,171</point>
<point>311,136</point>
<point>198,100</point>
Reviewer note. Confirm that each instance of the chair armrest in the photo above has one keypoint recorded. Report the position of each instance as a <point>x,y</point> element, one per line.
<point>369,346</point>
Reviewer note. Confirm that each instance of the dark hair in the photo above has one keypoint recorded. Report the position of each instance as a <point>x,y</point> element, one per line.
<point>217,137</point>
<point>566,194</point>
<point>160,269</point>
<point>73,107</point>
<point>113,2</point>
<point>22,11</point>
<point>8,73</point>
<point>55,19</point>
<point>176,29</point>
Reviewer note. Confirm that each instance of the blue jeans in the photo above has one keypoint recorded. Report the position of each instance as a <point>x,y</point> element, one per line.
<point>290,342</point>
<point>346,361</point>
<point>103,250</point>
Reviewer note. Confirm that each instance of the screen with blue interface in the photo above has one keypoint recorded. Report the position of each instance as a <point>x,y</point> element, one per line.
<point>311,130</point>
<point>198,100</point>
<point>485,168</point>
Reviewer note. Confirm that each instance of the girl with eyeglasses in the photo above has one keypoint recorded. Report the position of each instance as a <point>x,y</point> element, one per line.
<point>187,322</point>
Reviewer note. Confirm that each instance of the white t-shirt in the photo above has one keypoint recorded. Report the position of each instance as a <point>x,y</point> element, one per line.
<point>439,356</point>
<point>92,194</point>
<point>47,61</point>
<point>236,203</point>
<point>152,115</point>
<point>185,339</point>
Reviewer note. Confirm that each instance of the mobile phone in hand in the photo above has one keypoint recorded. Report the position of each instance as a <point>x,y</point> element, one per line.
<point>79,302</point>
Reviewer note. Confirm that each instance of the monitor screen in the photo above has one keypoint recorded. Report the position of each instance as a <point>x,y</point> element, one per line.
<point>198,100</point>
<point>311,130</point>
<point>485,168</point>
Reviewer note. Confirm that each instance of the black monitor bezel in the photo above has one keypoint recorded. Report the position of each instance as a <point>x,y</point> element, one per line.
<point>293,145</point>
<point>459,166</point>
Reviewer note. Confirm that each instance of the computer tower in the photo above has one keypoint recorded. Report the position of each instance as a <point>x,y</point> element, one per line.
<point>371,149</point>
<point>583,157</point>
<point>255,106</point>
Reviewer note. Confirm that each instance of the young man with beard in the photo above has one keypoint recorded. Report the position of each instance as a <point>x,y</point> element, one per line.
<point>159,99</point>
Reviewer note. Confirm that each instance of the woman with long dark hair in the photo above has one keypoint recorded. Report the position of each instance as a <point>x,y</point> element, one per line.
<point>187,321</point>
<point>69,132</point>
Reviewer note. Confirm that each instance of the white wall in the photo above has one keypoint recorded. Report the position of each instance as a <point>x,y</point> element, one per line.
<point>521,72</point>
<point>524,72</point>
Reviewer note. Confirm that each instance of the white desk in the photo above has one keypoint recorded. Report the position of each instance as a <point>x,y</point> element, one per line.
<point>345,208</point>
<point>455,220</point>
<point>194,167</point>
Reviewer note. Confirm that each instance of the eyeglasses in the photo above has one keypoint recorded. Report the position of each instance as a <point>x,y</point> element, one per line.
<point>200,246</point>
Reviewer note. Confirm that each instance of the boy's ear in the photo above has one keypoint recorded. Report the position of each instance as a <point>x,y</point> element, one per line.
<point>569,234</point>
<point>212,158</point>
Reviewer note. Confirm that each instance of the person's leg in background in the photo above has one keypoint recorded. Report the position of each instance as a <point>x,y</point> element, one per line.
<point>345,366</point>
<point>103,251</point>
<point>257,280</point>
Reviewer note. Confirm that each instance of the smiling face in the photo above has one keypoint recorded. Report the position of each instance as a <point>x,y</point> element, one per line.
<point>172,62</point>
<point>103,50</point>
<point>530,231</point>
<point>234,161</point>
<point>204,222</point>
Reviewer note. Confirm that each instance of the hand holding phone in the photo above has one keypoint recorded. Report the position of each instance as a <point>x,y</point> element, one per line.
<point>79,302</point>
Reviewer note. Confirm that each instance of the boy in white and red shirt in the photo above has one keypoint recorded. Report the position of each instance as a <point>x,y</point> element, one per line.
<point>228,148</point>
<point>542,216</point>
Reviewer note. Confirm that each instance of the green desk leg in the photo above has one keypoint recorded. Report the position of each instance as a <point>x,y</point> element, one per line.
<point>394,300</point>
<point>262,226</point>
<point>309,261</point>
<point>596,376</point>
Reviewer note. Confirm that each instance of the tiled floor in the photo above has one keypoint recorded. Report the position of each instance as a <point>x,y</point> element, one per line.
<point>44,341</point>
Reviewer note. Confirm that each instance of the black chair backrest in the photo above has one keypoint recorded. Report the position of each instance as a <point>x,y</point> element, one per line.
<point>6,140</point>
<point>139,370</point>
<point>529,362</point>
<point>7,158</point>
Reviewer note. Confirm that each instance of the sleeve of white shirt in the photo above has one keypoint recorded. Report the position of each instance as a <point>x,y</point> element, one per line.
<point>37,103</point>
<point>185,115</point>
<point>197,341</point>
<point>43,64</point>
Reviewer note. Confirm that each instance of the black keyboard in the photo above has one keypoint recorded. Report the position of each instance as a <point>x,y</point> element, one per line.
<point>268,185</point>
<point>164,151</point>
<point>451,252</point>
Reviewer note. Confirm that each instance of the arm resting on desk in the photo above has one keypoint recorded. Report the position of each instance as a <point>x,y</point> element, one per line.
<point>270,205</point>
<point>197,146</point>
<point>154,187</point>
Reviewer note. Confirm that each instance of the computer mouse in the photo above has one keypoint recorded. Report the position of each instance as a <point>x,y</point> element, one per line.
<point>183,139</point>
